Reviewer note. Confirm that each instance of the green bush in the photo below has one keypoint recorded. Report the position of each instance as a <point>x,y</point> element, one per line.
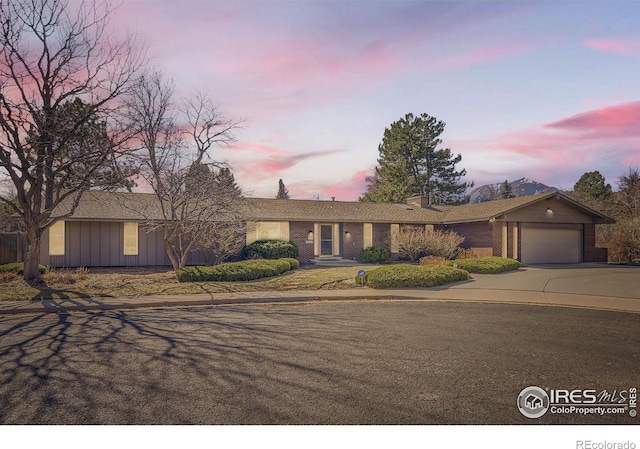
<point>373,254</point>
<point>294,263</point>
<point>486,265</point>
<point>247,270</point>
<point>18,268</point>
<point>406,276</point>
<point>271,249</point>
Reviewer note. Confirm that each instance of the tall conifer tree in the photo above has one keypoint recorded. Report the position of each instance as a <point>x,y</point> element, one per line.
<point>411,163</point>
<point>283,193</point>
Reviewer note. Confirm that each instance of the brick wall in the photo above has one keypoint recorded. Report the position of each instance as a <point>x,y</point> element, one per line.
<point>298,233</point>
<point>496,239</point>
<point>478,236</point>
<point>591,252</point>
<point>352,243</point>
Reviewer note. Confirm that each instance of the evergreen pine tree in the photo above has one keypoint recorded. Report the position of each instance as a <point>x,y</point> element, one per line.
<point>411,163</point>
<point>592,187</point>
<point>506,191</point>
<point>283,193</point>
<point>224,178</point>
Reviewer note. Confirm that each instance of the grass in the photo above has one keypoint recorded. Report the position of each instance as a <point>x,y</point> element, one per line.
<point>144,282</point>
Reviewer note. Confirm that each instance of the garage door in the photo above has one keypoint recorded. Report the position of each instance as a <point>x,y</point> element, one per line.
<point>550,245</point>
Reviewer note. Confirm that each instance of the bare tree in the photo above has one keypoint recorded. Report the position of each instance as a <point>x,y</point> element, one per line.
<point>192,204</point>
<point>414,242</point>
<point>61,74</point>
<point>628,196</point>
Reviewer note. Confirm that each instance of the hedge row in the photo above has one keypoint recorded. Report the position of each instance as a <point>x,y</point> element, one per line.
<point>271,249</point>
<point>486,265</point>
<point>18,268</point>
<point>407,276</point>
<point>247,270</point>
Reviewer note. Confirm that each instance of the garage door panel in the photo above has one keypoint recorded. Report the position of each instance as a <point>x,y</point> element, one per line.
<point>551,245</point>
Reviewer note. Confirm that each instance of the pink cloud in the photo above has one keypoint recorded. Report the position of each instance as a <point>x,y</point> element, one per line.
<point>256,148</point>
<point>349,189</point>
<point>609,122</point>
<point>619,46</point>
<point>481,55</point>
<point>607,139</point>
<point>272,166</point>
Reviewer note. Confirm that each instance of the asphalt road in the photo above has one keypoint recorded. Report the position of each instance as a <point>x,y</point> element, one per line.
<point>352,362</point>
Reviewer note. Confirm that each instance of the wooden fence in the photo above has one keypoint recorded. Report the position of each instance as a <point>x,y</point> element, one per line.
<point>11,245</point>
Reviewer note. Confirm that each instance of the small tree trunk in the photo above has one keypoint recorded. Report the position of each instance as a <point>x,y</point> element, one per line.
<point>32,254</point>
<point>174,261</point>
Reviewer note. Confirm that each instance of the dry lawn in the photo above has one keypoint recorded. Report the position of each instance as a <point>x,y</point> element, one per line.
<point>96,283</point>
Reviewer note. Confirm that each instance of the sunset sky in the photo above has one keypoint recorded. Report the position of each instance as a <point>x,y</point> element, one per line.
<point>545,90</point>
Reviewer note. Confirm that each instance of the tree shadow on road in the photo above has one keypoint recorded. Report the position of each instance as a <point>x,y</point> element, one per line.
<point>117,367</point>
<point>348,363</point>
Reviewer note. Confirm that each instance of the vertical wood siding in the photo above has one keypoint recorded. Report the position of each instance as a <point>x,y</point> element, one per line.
<point>11,244</point>
<point>101,244</point>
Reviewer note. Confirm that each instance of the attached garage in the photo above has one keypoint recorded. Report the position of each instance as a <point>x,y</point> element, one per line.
<point>551,244</point>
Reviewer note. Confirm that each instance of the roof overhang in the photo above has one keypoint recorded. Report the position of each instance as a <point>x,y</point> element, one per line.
<point>599,216</point>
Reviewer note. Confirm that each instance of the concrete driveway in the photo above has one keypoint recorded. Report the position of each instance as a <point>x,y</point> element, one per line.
<point>579,279</point>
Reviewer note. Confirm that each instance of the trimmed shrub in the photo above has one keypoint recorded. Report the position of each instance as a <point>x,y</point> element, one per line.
<point>271,249</point>
<point>373,254</point>
<point>293,263</point>
<point>18,268</point>
<point>486,265</point>
<point>408,276</point>
<point>247,270</point>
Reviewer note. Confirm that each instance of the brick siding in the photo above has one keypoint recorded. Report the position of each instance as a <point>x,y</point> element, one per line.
<point>591,252</point>
<point>298,233</point>
<point>477,236</point>
<point>353,243</point>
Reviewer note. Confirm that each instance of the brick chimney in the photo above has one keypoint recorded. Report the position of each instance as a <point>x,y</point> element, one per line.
<point>419,201</point>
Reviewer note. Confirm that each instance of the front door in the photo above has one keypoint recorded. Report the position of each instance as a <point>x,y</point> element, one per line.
<point>326,240</point>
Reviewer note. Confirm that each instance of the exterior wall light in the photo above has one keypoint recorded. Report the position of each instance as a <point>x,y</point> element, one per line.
<point>549,210</point>
<point>310,235</point>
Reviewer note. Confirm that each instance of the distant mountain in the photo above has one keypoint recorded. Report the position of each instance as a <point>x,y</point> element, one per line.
<point>521,187</point>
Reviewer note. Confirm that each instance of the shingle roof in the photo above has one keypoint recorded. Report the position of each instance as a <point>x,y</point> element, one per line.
<point>310,210</point>
<point>109,206</point>
<point>113,206</point>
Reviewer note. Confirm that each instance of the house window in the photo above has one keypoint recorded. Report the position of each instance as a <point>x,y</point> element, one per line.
<point>56,239</point>
<point>272,230</point>
<point>130,239</point>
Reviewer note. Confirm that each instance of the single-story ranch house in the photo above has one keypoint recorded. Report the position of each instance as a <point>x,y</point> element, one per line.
<point>106,229</point>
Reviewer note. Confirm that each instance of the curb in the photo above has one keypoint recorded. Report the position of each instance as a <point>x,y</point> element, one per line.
<point>513,297</point>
